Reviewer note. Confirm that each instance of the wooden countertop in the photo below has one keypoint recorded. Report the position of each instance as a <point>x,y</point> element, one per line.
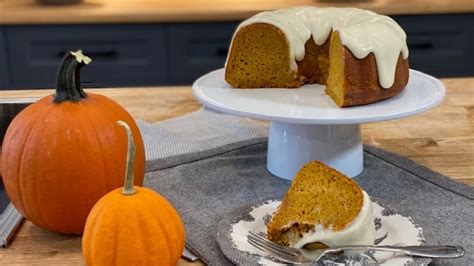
<point>441,139</point>
<point>147,11</point>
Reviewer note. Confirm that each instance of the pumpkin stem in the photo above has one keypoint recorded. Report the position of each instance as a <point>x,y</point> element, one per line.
<point>128,188</point>
<point>69,87</point>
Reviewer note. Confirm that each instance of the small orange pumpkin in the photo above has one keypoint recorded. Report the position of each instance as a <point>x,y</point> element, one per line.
<point>133,225</point>
<point>63,153</point>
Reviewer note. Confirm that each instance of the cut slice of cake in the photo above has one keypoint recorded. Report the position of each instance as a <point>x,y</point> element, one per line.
<point>323,208</point>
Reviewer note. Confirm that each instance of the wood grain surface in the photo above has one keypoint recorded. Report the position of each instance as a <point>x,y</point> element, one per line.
<point>441,139</point>
<point>145,11</point>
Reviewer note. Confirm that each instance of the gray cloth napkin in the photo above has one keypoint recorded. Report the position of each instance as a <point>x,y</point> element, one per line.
<point>204,184</point>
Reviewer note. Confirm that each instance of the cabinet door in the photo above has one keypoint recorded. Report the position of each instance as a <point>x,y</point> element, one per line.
<point>121,54</point>
<point>440,45</point>
<point>3,60</point>
<point>197,48</point>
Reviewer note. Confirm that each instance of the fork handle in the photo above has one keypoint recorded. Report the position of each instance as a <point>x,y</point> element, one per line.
<point>445,252</point>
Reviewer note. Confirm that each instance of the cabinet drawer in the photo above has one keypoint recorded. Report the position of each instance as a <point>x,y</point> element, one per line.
<point>197,48</point>
<point>3,60</point>
<point>121,54</point>
<point>440,45</point>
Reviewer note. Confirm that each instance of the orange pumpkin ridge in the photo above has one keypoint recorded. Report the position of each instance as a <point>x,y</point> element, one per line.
<point>17,168</point>
<point>140,161</point>
<point>170,212</point>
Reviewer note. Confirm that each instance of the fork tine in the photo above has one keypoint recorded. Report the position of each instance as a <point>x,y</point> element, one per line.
<point>265,241</point>
<point>273,253</point>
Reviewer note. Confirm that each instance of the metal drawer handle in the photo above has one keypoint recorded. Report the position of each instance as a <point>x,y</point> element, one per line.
<point>421,45</point>
<point>109,54</point>
<point>222,51</point>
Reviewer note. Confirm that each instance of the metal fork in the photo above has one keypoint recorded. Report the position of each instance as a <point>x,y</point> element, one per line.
<point>301,256</point>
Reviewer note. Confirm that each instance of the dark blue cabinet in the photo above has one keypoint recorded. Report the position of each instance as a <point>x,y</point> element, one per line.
<point>440,45</point>
<point>122,54</point>
<point>197,48</point>
<point>3,59</point>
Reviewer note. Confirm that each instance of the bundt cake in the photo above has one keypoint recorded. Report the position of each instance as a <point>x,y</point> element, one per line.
<point>360,56</point>
<point>323,208</point>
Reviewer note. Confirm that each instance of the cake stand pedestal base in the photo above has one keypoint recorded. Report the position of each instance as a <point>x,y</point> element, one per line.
<point>290,146</point>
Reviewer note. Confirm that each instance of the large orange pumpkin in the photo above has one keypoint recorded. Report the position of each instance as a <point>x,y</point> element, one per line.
<point>63,153</point>
<point>133,226</point>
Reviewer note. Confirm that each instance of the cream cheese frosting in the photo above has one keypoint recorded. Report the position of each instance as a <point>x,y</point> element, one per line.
<point>361,31</point>
<point>360,232</point>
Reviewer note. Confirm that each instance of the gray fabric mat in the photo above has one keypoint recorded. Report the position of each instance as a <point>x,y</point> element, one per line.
<point>206,184</point>
<point>197,131</point>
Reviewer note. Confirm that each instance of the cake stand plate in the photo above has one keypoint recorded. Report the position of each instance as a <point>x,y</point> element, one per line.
<point>307,125</point>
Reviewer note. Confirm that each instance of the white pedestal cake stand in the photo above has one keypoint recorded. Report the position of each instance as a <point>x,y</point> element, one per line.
<point>307,125</point>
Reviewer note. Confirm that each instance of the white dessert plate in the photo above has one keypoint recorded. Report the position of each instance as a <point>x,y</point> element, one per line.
<point>310,105</point>
<point>392,228</point>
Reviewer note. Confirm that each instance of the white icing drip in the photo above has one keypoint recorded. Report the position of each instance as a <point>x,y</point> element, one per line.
<point>361,31</point>
<point>360,232</point>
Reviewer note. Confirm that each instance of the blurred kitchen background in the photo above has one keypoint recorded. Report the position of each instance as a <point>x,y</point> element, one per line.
<point>173,42</point>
